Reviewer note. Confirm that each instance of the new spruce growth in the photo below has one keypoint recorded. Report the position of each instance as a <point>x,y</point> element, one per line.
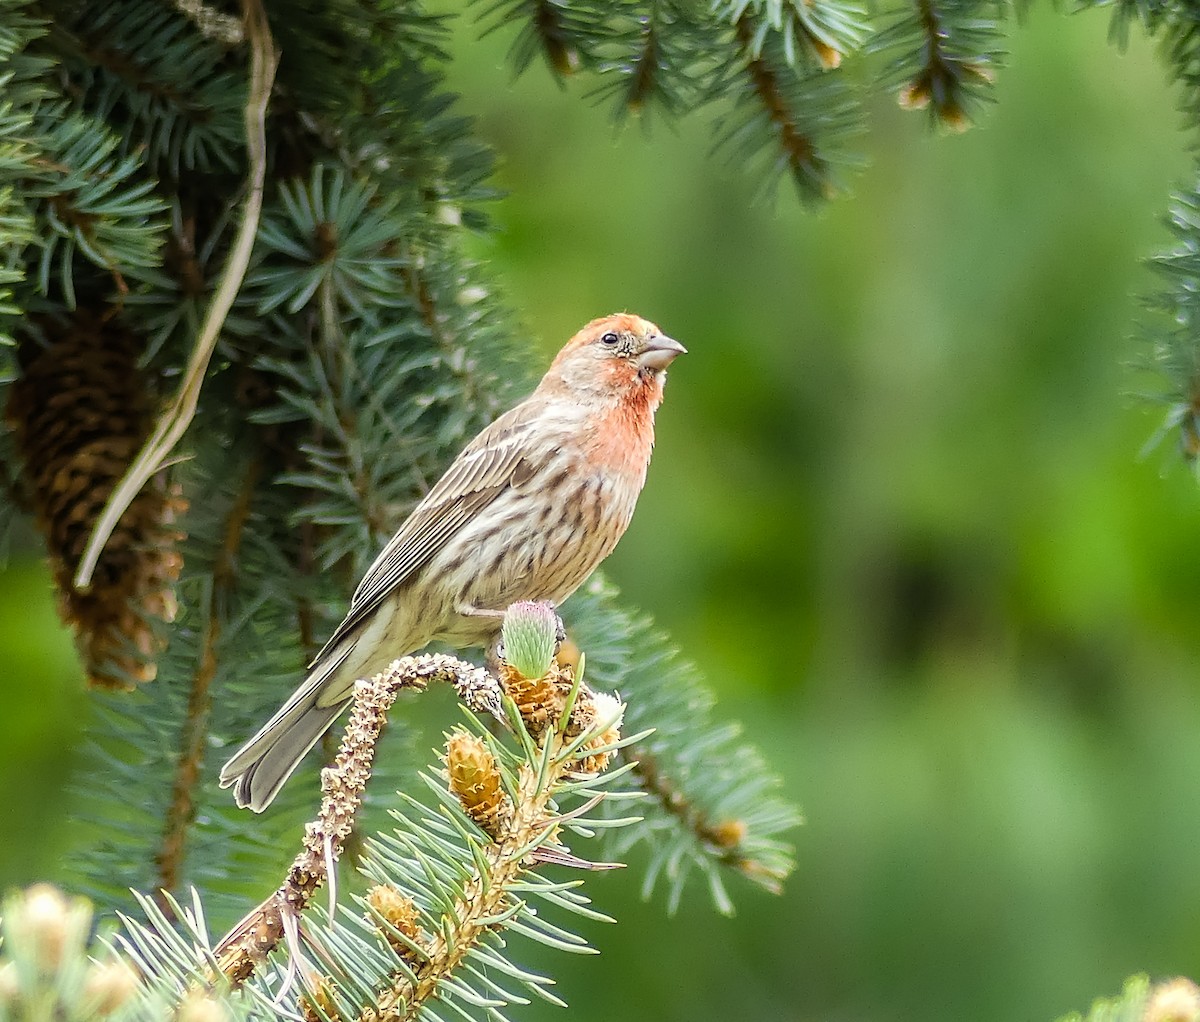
<point>49,967</point>
<point>494,815</point>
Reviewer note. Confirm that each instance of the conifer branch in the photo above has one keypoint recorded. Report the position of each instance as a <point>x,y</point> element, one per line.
<point>827,55</point>
<point>450,884</point>
<point>722,838</point>
<point>940,83</point>
<point>950,50</point>
<point>643,79</point>
<point>570,735</point>
<point>448,340</point>
<point>343,783</point>
<point>518,831</point>
<point>305,615</point>
<point>547,21</point>
<point>178,416</point>
<point>665,56</point>
<point>418,286</point>
<point>710,808</point>
<point>182,806</point>
<point>564,33</point>
<point>1173,329</point>
<point>799,148</point>
<point>124,66</point>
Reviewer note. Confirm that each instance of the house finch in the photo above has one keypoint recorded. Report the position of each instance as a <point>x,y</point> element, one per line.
<point>526,512</point>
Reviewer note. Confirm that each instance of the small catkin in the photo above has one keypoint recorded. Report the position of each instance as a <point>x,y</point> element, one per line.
<point>539,701</point>
<point>475,780</point>
<point>318,1004</point>
<point>108,986</point>
<point>42,923</point>
<point>829,57</point>
<point>598,708</point>
<point>399,911</point>
<point>199,1007</point>
<point>915,95</point>
<point>1175,1000</point>
<point>728,833</point>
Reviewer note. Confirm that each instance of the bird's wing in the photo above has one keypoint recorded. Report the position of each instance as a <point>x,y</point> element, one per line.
<point>496,459</point>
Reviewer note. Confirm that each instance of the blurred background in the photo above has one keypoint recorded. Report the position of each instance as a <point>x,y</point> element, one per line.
<point>897,514</point>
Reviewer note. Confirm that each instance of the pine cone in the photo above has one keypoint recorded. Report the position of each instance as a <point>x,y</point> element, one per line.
<point>80,410</point>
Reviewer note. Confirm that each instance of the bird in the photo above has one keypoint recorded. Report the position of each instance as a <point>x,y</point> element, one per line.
<point>526,511</point>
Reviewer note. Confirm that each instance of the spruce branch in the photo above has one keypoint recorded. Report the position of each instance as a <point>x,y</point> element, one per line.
<point>169,93</point>
<point>449,880</point>
<point>711,807</point>
<point>560,31</point>
<point>343,783</point>
<point>789,117</point>
<point>181,807</point>
<point>643,76</point>
<point>467,872</point>
<point>519,828</point>
<point>449,886</point>
<point>664,57</point>
<point>175,419</point>
<point>547,22</point>
<point>1172,329</point>
<point>88,201</point>
<point>950,51</point>
<point>722,838</point>
<point>817,33</point>
<point>799,147</point>
<point>943,83</point>
<point>16,156</point>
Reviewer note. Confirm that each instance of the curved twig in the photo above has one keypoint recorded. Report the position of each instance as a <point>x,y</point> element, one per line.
<point>176,418</point>
<point>342,785</point>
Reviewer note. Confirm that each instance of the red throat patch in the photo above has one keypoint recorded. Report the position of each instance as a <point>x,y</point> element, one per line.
<point>624,434</point>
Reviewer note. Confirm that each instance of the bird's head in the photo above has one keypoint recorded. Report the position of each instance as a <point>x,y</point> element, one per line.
<point>617,353</point>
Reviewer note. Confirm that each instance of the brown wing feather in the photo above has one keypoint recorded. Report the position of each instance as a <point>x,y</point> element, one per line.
<point>483,470</point>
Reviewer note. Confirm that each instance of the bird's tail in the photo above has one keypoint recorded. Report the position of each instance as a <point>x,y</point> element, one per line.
<point>259,768</point>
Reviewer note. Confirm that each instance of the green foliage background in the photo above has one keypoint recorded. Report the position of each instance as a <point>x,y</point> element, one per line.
<point>898,516</point>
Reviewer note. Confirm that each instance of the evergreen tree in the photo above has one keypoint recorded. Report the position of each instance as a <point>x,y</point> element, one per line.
<point>240,339</point>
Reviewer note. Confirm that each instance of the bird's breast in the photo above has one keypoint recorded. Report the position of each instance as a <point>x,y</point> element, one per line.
<point>541,542</point>
<point>620,439</point>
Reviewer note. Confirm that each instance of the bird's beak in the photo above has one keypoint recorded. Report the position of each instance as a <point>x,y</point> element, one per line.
<point>660,352</point>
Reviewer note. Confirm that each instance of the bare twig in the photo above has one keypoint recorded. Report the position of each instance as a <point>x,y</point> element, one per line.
<point>224,28</point>
<point>248,944</point>
<point>175,420</point>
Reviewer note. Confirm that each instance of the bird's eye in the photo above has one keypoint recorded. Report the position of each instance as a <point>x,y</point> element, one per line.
<point>609,339</point>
